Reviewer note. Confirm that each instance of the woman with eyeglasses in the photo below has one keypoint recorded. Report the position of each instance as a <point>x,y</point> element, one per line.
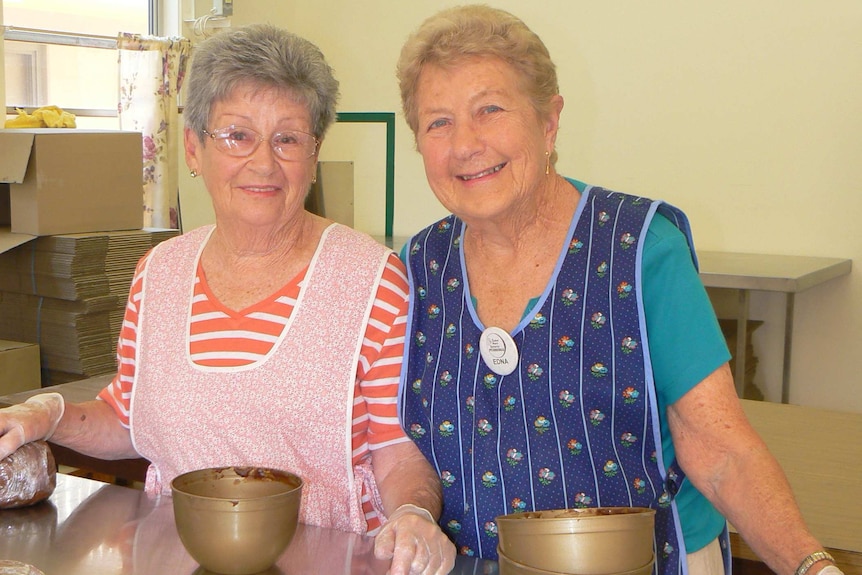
<point>272,338</point>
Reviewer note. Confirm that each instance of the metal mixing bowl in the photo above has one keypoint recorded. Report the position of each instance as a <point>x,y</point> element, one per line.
<point>236,520</point>
<point>509,567</point>
<point>591,541</point>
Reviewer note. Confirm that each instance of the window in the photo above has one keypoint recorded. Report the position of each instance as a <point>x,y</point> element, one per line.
<point>25,77</point>
<point>64,54</point>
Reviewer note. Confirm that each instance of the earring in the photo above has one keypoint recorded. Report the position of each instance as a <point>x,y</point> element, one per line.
<point>547,162</point>
<point>193,173</point>
<point>314,180</point>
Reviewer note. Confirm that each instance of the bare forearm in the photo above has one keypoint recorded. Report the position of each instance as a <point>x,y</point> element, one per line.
<point>414,487</point>
<point>754,495</point>
<point>92,428</point>
<point>729,463</point>
<point>404,476</point>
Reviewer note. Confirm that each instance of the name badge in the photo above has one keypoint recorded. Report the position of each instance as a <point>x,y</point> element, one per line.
<point>499,351</point>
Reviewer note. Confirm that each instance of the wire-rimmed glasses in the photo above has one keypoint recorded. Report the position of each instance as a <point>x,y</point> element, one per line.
<point>239,141</point>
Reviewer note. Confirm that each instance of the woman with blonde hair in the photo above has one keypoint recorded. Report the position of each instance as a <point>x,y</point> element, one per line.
<point>561,349</point>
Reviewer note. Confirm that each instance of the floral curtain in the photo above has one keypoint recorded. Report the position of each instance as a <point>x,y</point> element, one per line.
<point>151,75</point>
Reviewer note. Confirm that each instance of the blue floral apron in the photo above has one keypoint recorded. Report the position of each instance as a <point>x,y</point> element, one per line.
<point>576,423</point>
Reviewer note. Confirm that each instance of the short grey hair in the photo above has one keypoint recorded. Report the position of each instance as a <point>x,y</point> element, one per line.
<point>265,56</point>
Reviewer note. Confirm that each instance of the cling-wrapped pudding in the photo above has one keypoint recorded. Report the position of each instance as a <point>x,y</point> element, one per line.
<point>27,476</point>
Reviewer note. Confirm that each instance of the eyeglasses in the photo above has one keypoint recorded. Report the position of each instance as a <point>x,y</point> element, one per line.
<point>240,142</point>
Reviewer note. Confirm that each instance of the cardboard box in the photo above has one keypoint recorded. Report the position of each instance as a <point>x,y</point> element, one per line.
<point>63,181</point>
<point>19,367</point>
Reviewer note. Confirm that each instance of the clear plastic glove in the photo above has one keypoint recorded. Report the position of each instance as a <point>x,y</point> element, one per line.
<point>37,418</point>
<point>415,543</point>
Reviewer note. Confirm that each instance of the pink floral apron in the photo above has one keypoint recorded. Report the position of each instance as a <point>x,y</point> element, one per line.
<point>293,410</point>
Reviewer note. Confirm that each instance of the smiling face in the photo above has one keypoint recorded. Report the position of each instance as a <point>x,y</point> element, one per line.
<point>481,139</point>
<point>260,191</point>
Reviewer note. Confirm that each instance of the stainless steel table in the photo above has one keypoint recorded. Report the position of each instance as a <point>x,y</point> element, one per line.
<point>774,273</point>
<point>93,528</point>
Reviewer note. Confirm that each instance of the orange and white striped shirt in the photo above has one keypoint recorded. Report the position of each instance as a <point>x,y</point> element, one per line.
<point>220,337</point>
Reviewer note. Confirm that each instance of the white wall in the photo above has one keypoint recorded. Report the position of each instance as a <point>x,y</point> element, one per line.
<point>2,64</point>
<point>744,114</point>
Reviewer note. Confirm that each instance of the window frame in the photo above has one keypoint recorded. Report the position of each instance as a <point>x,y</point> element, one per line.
<point>32,58</point>
<point>55,37</point>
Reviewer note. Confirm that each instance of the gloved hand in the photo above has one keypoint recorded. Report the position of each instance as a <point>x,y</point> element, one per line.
<point>36,418</point>
<point>415,543</point>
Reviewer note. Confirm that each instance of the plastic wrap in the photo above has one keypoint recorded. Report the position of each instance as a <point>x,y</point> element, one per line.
<point>27,476</point>
<point>18,568</point>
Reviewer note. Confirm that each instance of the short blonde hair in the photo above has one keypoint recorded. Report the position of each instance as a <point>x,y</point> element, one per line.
<point>457,33</point>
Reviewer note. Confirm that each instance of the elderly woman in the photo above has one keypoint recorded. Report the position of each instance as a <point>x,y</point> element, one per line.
<point>530,382</point>
<point>272,338</point>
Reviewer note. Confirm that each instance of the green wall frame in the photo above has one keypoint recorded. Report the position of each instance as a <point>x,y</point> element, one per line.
<point>387,118</point>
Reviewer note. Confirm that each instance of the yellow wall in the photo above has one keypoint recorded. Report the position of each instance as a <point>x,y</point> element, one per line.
<point>746,115</point>
<point>2,64</point>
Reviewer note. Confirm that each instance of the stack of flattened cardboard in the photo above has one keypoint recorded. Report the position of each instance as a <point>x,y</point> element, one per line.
<point>68,294</point>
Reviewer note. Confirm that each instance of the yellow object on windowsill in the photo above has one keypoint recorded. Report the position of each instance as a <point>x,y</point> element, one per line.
<point>44,117</point>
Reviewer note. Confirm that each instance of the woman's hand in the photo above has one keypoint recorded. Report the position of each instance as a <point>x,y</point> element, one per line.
<point>36,418</point>
<point>415,543</point>
<point>411,537</point>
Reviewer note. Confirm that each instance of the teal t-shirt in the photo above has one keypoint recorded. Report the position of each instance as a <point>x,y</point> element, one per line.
<point>685,346</point>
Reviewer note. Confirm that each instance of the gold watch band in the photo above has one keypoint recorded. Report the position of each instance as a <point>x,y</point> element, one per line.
<point>811,560</point>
